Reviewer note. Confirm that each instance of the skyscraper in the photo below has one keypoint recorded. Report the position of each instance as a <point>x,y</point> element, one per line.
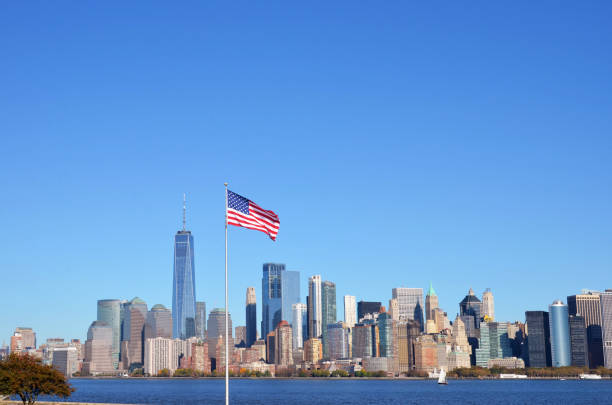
<point>328,311</point>
<point>350,310</point>
<point>606,326</point>
<point>299,325</point>
<point>588,305</point>
<point>410,303</point>
<point>158,323</point>
<point>109,312</point>
<point>493,344</point>
<point>200,320</point>
<point>561,354</point>
<point>578,341</point>
<point>385,332</point>
<point>133,332</point>
<point>283,347</point>
<point>488,305</point>
<point>216,324</point>
<point>471,306</point>
<point>251,316</point>
<point>338,343</point>
<point>431,303</point>
<point>315,312</point>
<point>290,293</point>
<point>98,349</point>
<point>183,291</point>
<point>538,338</point>
<point>271,290</point>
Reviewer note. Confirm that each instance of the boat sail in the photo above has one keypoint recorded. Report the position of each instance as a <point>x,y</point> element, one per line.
<point>442,377</point>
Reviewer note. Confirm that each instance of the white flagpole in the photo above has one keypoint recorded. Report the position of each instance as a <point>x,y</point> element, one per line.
<point>226,311</point>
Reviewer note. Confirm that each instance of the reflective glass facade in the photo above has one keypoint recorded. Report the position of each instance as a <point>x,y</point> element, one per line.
<point>201,320</point>
<point>109,311</point>
<point>183,291</point>
<point>271,290</point>
<point>538,339</point>
<point>329,313</point>
<point>290,294</point>
<point>559,335</point>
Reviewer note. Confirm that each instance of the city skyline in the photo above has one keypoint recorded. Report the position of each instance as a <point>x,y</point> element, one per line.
<point>466,146</point>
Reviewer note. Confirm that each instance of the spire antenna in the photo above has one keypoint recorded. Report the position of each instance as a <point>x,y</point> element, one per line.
<point>184,211</point>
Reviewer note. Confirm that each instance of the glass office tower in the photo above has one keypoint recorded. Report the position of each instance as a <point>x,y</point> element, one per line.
<point>538,339</point>
<point>271,291</point>
<point>328,312</point>
<point>109,311</point>
<point>251,316</point>
<point>183,291</point>
<point>559,334</point>
<point>290,294</point>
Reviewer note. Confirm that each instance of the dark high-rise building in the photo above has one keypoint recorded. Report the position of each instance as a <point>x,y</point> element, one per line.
<point>367,307</point>
<point>251,316</point>
<point>328,308</point>
<point>200,320</point>
<point>578,341</point>
<point>588,306</point>
<point>538,339</point>
<point>271,291</point>
<point>472,306</point>
<point>183,291</point>
<point>313,307</point>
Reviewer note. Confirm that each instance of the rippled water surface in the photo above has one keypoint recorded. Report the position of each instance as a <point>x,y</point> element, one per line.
<point>353,391</point>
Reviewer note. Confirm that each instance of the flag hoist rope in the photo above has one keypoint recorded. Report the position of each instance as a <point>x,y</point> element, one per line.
<point>226,311</point>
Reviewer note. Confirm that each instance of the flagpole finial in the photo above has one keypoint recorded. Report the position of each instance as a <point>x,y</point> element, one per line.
<point>225,184</point>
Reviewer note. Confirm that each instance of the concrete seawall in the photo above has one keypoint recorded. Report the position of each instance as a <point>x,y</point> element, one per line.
<point>57,403</point>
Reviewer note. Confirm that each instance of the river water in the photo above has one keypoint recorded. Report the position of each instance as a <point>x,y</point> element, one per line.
<point>341,391</point>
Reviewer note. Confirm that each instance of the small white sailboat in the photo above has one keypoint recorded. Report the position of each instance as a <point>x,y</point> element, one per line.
<point>442,378</point>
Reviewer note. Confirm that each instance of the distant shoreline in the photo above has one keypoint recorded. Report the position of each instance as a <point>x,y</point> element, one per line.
<point>337,378</point>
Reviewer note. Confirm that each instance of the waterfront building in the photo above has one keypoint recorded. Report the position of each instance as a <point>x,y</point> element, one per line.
<point>538,339</point>
<point>109,311</point>
<point>200,320</point>
<point>425,353</point>
<point>459,336</point>
<point>385,333</point>
<point>218,361</point>
<point>271,288</point>
<point>65,360</point>
<point>560,349</point>
<point>367,307</point>
<point>471,306</point>
<point>578,341</point>
<point>488,305</point>
<point>410,303</point>
<point>158,323</point>
<point>299,325</point>
<point>328,311</point>
<point>183,291</point>
<point>283,350</point>
<point>200,361</point>
<point>240,336</point>
<point>258,350</point>
<point>588,305</point>
<point>290,294</point>
<point>350,310</point>
<point>251,316</point>
<point>506,362</point>
<point>404,338</point>
<point>99,349</point>
<point>457,359</point>
<point>315,310</point>
<point>338,341</point>
<point>493,343</point>
<point>133,333</point>
<point>374,364</point>
<point>606,326</point>
<point>431,303</point>
<point>313,350</point>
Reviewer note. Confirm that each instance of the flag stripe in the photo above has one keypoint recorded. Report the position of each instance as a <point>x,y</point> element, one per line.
<point>243,212</point>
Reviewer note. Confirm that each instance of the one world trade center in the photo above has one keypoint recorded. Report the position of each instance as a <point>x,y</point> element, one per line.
<point>183,285</point>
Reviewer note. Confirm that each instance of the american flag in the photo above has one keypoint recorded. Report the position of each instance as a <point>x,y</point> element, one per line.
<point>244,212</point>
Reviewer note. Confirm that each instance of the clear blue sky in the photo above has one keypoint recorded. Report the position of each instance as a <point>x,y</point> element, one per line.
<point>468,144</point>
